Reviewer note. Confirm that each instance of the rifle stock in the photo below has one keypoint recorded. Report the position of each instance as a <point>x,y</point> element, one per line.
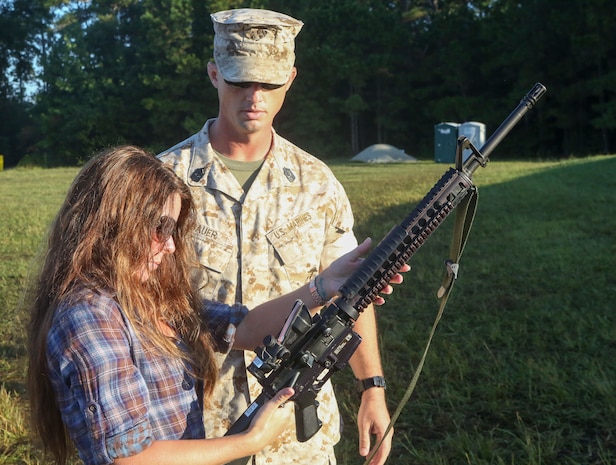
<point>311,348</point>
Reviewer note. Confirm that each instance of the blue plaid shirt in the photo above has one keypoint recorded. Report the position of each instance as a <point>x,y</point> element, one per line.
<point>115,395</point>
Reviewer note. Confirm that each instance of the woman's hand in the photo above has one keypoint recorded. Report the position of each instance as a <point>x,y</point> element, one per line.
<point>340,270</point>
<point>271,419</point>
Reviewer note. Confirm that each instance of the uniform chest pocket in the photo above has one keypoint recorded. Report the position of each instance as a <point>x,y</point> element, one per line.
<point>297,247</point>
<point>214,257</point>
<point>288,247</point>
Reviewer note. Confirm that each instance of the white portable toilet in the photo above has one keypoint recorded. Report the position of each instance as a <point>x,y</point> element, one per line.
<point>475,132</point>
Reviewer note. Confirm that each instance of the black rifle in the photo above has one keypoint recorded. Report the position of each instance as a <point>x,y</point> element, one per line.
<point>310,349</point>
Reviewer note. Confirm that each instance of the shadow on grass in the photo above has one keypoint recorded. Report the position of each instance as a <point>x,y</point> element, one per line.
<point>522,366</point>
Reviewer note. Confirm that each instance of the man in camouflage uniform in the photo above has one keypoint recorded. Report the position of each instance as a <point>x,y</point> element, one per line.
<point>271,216</point>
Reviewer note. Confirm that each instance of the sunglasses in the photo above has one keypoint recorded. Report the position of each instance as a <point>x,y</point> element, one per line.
<point>165,229</point>
<point>247,85</point>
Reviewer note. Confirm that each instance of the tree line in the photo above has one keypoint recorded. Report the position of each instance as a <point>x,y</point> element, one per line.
<point>82,75</point>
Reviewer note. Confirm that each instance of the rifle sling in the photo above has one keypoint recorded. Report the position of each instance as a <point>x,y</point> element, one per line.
<point>465,214</point>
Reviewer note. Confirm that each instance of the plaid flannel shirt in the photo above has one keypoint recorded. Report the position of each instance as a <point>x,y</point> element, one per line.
<point>116,395</point>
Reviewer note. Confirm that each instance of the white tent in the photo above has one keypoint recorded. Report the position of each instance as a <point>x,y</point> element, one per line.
<point>383,153</point>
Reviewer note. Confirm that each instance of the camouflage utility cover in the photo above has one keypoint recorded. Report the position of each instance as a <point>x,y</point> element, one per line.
<point>254,246</point>
<point>252,45</point>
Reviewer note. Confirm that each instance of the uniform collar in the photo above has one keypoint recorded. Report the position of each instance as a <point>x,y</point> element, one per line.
<point>207,170</point>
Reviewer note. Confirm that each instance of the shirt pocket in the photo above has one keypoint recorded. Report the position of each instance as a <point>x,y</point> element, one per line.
<point>296,248</point>
<point>214,257</point>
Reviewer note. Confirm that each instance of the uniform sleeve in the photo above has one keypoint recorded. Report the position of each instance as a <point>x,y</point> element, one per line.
<point>222,321</point>
<point>101,395</point>
<point>339,237</point>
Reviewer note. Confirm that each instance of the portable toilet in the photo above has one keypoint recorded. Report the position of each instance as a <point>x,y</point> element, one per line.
<point>445,137</point>
<point>475,132</point>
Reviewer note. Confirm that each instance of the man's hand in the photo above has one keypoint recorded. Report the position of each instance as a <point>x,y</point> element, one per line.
<point>372,420</point>
<point>340,270</point>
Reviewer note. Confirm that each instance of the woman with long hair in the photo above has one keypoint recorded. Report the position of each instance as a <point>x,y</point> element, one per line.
<point>121,350</point>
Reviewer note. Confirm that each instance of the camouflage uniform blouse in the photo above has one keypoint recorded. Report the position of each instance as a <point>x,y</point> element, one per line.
<point>253,246</point>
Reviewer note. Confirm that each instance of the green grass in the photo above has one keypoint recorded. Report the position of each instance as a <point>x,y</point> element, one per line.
<point>521,370</point>
<point>29,201</point>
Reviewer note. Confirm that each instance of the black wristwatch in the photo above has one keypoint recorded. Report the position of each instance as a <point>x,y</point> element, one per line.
<point>376,381</point>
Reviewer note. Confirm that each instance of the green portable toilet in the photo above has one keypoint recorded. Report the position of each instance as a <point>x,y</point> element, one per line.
<point>445,137</point>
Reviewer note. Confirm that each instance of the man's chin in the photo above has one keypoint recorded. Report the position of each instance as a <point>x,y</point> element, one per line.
<point>254,125</point>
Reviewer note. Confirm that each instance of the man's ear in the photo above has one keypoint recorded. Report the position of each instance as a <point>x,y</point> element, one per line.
<point>212,72</point>
<point>292,77</point>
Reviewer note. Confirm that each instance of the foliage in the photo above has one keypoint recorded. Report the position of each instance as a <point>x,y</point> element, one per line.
<point>370,71</point>
<point>21,22</point>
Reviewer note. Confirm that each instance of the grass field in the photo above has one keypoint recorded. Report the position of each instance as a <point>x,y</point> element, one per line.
<point>521,370</point>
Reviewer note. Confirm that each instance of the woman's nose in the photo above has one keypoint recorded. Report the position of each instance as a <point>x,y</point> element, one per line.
<point>169,245</point>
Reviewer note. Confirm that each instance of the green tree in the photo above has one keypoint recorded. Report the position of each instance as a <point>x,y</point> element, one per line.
<point>115,71</point>
<point>20,23</point>
<point>122,72</point>
<point>345,58</point>
<point>126,71</point>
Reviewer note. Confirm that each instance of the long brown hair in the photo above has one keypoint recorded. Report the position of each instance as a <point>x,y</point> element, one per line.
<point>100,236</point>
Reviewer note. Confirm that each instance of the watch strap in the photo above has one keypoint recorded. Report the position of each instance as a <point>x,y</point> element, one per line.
<point>376,381</point>
<point>314,292</point>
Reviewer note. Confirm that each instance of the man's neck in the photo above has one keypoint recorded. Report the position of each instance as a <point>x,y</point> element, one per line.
<point>239,147</point>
